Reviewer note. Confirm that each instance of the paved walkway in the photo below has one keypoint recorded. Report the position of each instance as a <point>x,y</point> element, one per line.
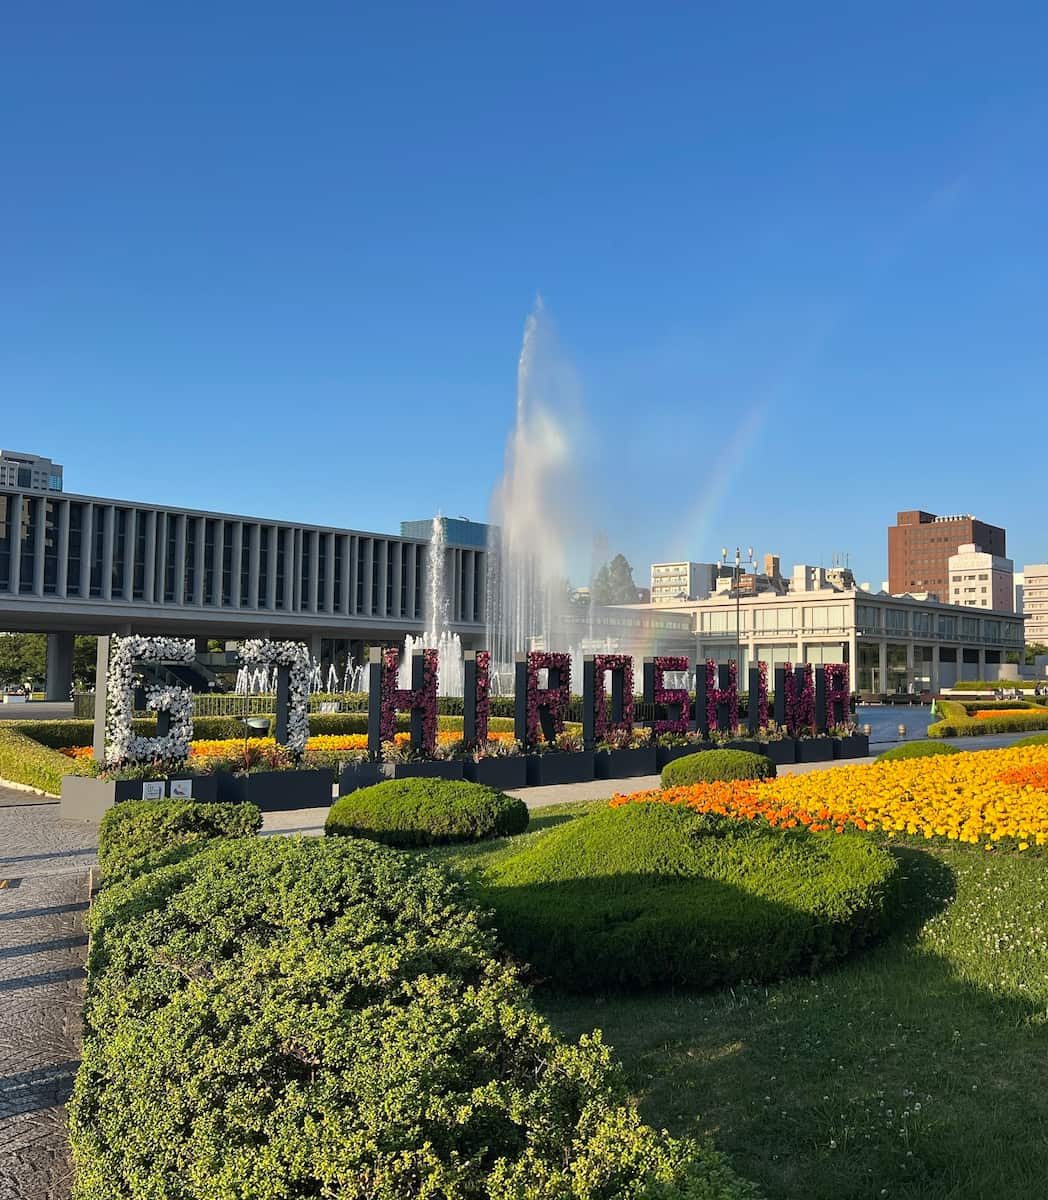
<point>43,895</point>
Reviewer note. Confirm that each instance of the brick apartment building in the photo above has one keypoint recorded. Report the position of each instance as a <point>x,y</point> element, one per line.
<point>920,545</point>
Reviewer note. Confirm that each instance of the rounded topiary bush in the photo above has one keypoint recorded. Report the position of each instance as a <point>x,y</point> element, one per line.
<point>294,1017</point>
<point>654,894</point>
<point>710,765</point>
<point>916,750</point>
<point>426,812</point>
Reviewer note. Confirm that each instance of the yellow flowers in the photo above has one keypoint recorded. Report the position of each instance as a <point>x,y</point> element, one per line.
<point>983,796</point>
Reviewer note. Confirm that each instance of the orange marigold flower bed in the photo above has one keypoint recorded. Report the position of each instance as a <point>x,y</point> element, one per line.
<point>981,796</point>
<point>987,714</point>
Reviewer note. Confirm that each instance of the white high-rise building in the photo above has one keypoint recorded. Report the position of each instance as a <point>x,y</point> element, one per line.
<point>672,582</point>
<point>1035,602</point>
<point>981,580</point>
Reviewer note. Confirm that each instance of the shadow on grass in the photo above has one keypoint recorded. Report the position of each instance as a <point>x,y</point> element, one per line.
<point>888,1075</point>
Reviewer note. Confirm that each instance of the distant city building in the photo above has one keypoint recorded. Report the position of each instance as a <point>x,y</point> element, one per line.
<point>920,545</point>
<point>458,531</point>
<point>892,643</point>
<point>981,580</point>
<point>1035,602</point>
<point>681,581</point>
<point>1018,580</point>
<point>29,472</point>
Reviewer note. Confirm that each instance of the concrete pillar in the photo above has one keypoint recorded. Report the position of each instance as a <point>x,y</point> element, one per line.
<point>909,664</point>
<point>345,599</point>
<point>383,569</point>
<point>369,560</point>
<point>180,558</point>
<point>329,572</point>
<point>87,548</point>
<point>882,666</point>
<point>314,643</point>
<point>108,523</point>
<point>982,664</point>
<point>59,666</point>
<point>218,553</point>
<point>149,558</point>
<point>271,568</point>
<point>130,553</point>
<point>200,645</point>
<point>397,550</point>
<point>314,571</point>
<point>236,562</point>
<point>290,570</point>
<point>159,593</point>
<point>470,613</point>
<point>38,528</point>
<point>254,543</point>
<point>62,582</point>
<point>410,611</point>
<point>199,555</point>
<point>14,533</point>
<point>935,668</point>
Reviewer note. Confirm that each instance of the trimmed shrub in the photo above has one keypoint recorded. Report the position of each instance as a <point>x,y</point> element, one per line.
<point>426,812</point>
<point>1035,739</point>
<point>24,760</point>
<point>653,894</point>
<point>710,765</point>
<point>290,1017</point>
<point>916,750</point>
<point>141,835</point>
<point>957,723</point>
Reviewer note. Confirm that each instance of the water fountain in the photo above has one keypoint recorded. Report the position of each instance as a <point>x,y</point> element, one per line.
<point>437,620</point>
<point>527,552</point>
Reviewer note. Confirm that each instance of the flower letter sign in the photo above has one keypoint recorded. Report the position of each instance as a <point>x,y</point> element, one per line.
<point>173,705</point>
<point>541,710</point>
<point>291,659</point>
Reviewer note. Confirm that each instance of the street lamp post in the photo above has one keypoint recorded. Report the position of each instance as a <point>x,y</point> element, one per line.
<point>735,577</point>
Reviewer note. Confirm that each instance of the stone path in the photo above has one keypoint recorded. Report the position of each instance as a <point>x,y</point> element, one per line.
<point>44,880</point>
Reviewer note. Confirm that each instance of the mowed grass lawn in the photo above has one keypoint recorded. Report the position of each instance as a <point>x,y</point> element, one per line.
<point>917,1070</point>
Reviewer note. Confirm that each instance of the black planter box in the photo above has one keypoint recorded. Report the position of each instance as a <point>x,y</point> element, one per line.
<point>278,791</point>
<point>544,770</point>
<point>626,764</point>
<point>666,754</point>
<point>781,752</point>
<point>817,749</point>
<point>504,773</point>
<point>359,775</point>
<point>855,745</point>
<point>750,746</point>
<point>425,768</point>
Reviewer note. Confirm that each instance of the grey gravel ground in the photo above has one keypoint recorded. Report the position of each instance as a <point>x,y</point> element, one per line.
<point>44,881</point>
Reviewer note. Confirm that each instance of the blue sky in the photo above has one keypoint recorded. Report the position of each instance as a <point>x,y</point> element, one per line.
<point>278,260</point>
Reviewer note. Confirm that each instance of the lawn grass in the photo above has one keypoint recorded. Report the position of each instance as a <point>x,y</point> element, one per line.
<point>916,1070</point>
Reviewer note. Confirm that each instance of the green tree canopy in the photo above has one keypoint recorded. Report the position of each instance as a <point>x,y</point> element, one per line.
<point>613,583</point>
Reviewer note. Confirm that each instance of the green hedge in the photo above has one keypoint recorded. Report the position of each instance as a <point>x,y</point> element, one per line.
<point>710,765</point>
<point>24,760</point>
<point>916,750</point>
<point>957,723</point>
<point>1035,739</point>
<point>991,685</point>
<point>656,895</point>
<point>291,1017</point>
<point>427,812</point>
<point>57,734</point>
<point>141,835</point>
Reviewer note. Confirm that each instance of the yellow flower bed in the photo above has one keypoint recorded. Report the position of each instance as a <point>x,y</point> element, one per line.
<point>984,796</point>
<point>229,747</point>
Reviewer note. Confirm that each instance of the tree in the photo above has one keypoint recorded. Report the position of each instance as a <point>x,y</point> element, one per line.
<point>613,583</point>
<point>23,658</point>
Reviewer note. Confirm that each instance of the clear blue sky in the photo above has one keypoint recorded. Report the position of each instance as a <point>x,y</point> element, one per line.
<point>277,259</point>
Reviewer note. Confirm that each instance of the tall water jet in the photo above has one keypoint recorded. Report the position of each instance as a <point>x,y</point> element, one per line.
<point>437,617</point>
<point>532,510</point>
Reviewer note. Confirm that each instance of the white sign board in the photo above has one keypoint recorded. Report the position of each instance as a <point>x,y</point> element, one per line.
<point>181,789</point>
<point>153,789</point>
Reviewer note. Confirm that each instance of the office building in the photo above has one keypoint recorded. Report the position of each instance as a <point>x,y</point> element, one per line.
<point>1035,602</point>
<point>675,581</point>
<point>29,472</point>
<point>920,545</point>
<point>981,580</point>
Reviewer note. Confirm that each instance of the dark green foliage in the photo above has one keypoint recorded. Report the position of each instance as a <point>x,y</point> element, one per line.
<point>916,750</point>
<point>655,894</point>
<point>141,835</point>
<point>24,760</point>
<point>283,1019</point>
<point>427,812</point>
<point>710,765</point>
